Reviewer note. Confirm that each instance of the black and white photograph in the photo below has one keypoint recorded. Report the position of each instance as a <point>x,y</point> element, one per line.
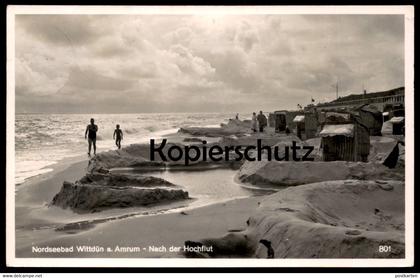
<point>236,136</point>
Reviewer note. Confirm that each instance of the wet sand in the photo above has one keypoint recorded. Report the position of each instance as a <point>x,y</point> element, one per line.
<point>44,187</point>
<point>171,229</point>
<point>168,229</point>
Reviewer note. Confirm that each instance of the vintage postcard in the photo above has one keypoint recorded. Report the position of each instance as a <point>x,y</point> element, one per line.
<point>211,136</point>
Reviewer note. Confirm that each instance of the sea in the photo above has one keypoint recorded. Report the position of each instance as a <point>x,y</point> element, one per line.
<point>42,140</point>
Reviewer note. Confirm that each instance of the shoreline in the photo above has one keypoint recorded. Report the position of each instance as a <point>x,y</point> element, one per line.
<point>64,162</point>
<point>59,166</point>
<point>186,222</point>
<point>36,192</point>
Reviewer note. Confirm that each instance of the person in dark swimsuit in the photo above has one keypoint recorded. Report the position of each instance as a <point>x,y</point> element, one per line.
<point>118,136</point>
<point>90,134</point>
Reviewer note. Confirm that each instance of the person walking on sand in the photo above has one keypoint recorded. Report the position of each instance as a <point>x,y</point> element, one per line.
<point>90,134</point>
<point>262,121</point>
<point>118,136</point>
<point>254,122</point>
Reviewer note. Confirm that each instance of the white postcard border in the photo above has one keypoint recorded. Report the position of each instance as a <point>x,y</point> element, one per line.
<point>408,261</point>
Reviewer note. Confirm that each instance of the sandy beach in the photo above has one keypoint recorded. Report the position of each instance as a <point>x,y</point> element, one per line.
<point>120,203</point>
<point>170,229</point>
<point>40,224</point>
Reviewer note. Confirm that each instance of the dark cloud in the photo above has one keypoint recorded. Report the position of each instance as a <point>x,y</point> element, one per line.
<point>141,70</point>
<point>90,80</point>
<point>152,63</point>
<point>61,29</point>
<point>247,36</point>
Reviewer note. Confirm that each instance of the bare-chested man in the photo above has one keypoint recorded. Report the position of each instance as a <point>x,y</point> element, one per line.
<point>90,134</point>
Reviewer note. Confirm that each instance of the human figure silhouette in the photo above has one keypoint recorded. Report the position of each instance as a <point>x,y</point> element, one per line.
<point>118,136</point>
<point>90,134</point>
<point>254,122</point>
<point>262,121</point>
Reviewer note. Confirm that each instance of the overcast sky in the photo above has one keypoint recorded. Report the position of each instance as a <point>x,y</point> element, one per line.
<point>172,63</point>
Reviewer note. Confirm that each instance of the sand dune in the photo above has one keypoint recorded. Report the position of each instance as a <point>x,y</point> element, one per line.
<point>335,219</point>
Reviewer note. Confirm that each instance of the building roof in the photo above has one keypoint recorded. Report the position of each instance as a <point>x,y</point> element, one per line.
<point>395,120</point>
<point>280,112</point>
<point>334,130</point>
<point>299,119</point>
<point>368,108</point>
<point>392,92</point>
<point>345,116</point>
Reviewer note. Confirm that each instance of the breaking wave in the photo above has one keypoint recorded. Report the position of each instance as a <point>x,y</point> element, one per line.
<point>42,140</point>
